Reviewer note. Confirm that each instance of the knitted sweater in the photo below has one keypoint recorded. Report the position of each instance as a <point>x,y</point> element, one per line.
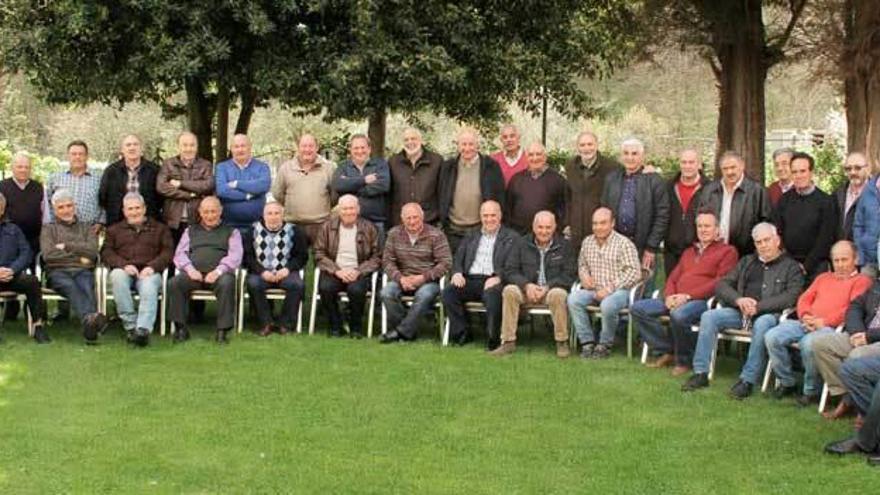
<point>243,203</point>
<point>828,297</point>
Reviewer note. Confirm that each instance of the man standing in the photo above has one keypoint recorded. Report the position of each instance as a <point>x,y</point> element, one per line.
<point>137,251</point>
<point>131,173</point>
<point>739,203</point>
<point>847,195</point>
<point>416,256</point>
<point>415,178</point>
<point>782,168</point>
<point>15,256</point>
<point>866,226</point>
<point>541,270</point>
<point>684,196</point>
<point>466,181</point>
<point>608,266</point>
<point>302,186</point>
<point>184,180</point>
<point>511,159</point>
<point>368,178</point>
<point>862,379</point>
<point>347,252</point>
<point>274,253</point>
<point>754,295</point>
<point>586,174</point>
<point>538,188</point>
<point>477,275</point>
<point>806,218</point>
<point>81,183</point>
<point>24,200</point>
<point>241,183</point>
<point>640,202</point>
<point>206,258</point>
<point>687,290</point>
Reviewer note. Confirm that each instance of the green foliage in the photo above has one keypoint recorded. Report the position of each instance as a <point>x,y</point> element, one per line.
<point>557,159</point>
<point>829,157</point>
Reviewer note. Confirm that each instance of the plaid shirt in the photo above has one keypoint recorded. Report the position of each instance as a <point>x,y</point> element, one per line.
<point>84,189</point>
<point>134,182</point>
<point>614,265</point>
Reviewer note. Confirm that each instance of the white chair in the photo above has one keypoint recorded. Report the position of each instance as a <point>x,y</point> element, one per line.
<point>408,300</point>
<point>271,294</point>
<point>51,295</point>
<point>8,296</point>
<point>473,307</point>
<point>343,297</point>
<point>107,295</point>
<point>739,335</point>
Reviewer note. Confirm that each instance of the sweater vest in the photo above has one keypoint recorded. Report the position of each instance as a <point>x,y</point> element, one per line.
<point>208,247</point>
<point>24,206</point>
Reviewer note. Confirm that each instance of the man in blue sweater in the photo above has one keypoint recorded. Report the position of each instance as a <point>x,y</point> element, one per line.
<point>242,183</point>
<point>368,178</point>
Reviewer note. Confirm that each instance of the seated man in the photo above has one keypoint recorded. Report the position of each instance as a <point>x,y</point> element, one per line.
<point>476,275</point>
<point>274,253</point>
<point>416,256</point>
<point>821,308</point>
<point>861,338</point>
<point>347,252</point>
<point>689,286</point>
<point>206,258</point>
<point>15,257</point>
<point>540,270</point>
<point>861,376</point>
<point>137,250</point>
<point>754,294</point>
<point>608,266</point>
<point>70,252</point>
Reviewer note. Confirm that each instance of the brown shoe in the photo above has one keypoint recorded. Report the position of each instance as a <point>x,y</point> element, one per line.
<point>662,361</point>
<point>283,330</point>
<point>844,408</point>
<point>504,349</point>
<point>562,350</point>
<point>266,331</point>
<point>680,370</point>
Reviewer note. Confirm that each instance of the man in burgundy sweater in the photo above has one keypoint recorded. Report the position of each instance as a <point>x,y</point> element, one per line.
<point>538,188</point>
<point>687,289</point>
<point>512,158</point>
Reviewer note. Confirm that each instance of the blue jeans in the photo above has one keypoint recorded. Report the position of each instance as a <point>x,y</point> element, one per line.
<point>148,290</point>
<point>610,308</point>
<point>406,322</point>
<point>779,338</point>
<point>78,286</point>
<point>861,377</point>
<point>680,339</point>
<point>714,321</point>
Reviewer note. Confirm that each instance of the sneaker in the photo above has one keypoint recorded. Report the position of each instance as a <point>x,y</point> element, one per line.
<point>601,351</point>
<point>587,350</point>
<point>40,335</point>
<point>782,392</point>
<point>695,382</point>
<point>740,390</point>
<point>562,350</point>
<point>504,349</point>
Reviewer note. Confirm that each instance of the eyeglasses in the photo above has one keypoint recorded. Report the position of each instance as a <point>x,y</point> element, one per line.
<point>850,168</point>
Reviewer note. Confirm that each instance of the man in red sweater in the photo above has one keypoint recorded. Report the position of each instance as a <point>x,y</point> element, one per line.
<point>821,308</point>
<point>688,287</point>
<point>511,158</point>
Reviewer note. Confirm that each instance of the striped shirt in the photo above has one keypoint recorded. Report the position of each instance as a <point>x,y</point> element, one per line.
<point>84,189</point>
<point>429,255</point>
<point>613,265</point>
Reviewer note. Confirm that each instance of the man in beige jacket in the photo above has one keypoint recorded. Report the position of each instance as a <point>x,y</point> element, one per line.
<point>302,186</point>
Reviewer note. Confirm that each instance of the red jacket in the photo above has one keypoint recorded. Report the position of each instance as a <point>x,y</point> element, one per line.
<point>697,273</point>
<point>828,297</point>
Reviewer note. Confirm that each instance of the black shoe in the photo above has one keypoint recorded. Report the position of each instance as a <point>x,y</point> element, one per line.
<point>806,400</point>
<point>181,334</point>
<point>601,351</point>
<point>587,350</point>
<point>90,328</point>
<point>129,336</point>
<point>392,336</point>
<point>462,339</point>
<point>696,382</point>
<point>40,335</point>
<point>335,333</point>
<point>740,390</point>
<point>101,323</point>
<point>141,337</point>
<point>782,392</point>
<point>356,334</point>
<point>493,344</point>
<point>221,336</point>
<point>842,447</point>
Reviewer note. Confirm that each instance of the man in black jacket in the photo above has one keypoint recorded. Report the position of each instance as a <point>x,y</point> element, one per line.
<point>466,181</point>
<point>415,178</point>
<point>131,173</point>
<point>739,202</point>
<point>684,196</point>
<point>476,275</point>
<point>847,195</point>
<point>539,271</point>
<point>862,379</point>
<point>585,175</point>
<point>640,202</point>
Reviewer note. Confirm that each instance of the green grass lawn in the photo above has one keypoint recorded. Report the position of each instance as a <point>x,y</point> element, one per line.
<point>318,415</point>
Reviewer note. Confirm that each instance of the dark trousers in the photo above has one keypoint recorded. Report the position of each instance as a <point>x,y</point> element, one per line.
<point>329,287</point>
<point>28,285</point>
<point>455,297</point>
<point>12,307</point>
<point>294,289</point>
<point>680,340</point>
<point>78,286</point>
<point>180,287</point>
<point>861,377</point>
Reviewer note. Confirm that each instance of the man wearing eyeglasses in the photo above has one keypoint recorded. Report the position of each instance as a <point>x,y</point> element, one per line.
<point>848,194</point>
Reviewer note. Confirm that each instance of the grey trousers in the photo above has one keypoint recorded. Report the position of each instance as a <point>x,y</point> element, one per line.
<point>830,350</point>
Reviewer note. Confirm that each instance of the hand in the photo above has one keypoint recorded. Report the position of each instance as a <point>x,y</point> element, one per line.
<point>602,294</point>
<point>747,306</point>
<point>491,282</point>
<point>281,274</point>
<point>858,339</point>
<point>147,272</point>
<point>130,270</point>
<point>370,178</point>
<point>212,276</point>
<point>268,276</point>
<point>588,282</point>
<point>818,323</point>
<point>457,280</point>
<point>647,260</point>
<point>232,184</point>
<point>406,283</point>
<point>85,261</point>
<point>6,274</point>
<point>533,293</point>
<point>60,247</point>
<point>194,274</point>
<point>350,275</point>
<point>417,281</point>
<point>175,183</point>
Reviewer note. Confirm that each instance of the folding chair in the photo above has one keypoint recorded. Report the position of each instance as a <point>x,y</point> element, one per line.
<point>408,300</point>
<point>739,335</point>
<point>271,294</point>
<point>8,296</point>
<point>473,307</point>
<point>634,293</point>
<point>50,294</point>
<point>107,295</point>
<point>343,297</point>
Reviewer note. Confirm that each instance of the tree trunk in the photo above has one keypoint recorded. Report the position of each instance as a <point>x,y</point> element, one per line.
<point>248,104</point>
<point>861,66</point>
<point>376,132</point>
<point>199,114</point>
<point>741,74</point>
<point>221,145</point>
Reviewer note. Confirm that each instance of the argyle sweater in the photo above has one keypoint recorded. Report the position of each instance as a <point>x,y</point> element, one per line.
<point>273,249</point>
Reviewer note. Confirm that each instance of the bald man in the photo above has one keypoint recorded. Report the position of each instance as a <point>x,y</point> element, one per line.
<point>242,183</point>
<point>184,180</point>
<point>415,177</point>
<point>131,173</point>
<point>537,188</point>
<point>302,186</point>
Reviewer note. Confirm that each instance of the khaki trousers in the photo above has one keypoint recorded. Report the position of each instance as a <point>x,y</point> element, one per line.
<point>513,300</point>
<point>831,350</point>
